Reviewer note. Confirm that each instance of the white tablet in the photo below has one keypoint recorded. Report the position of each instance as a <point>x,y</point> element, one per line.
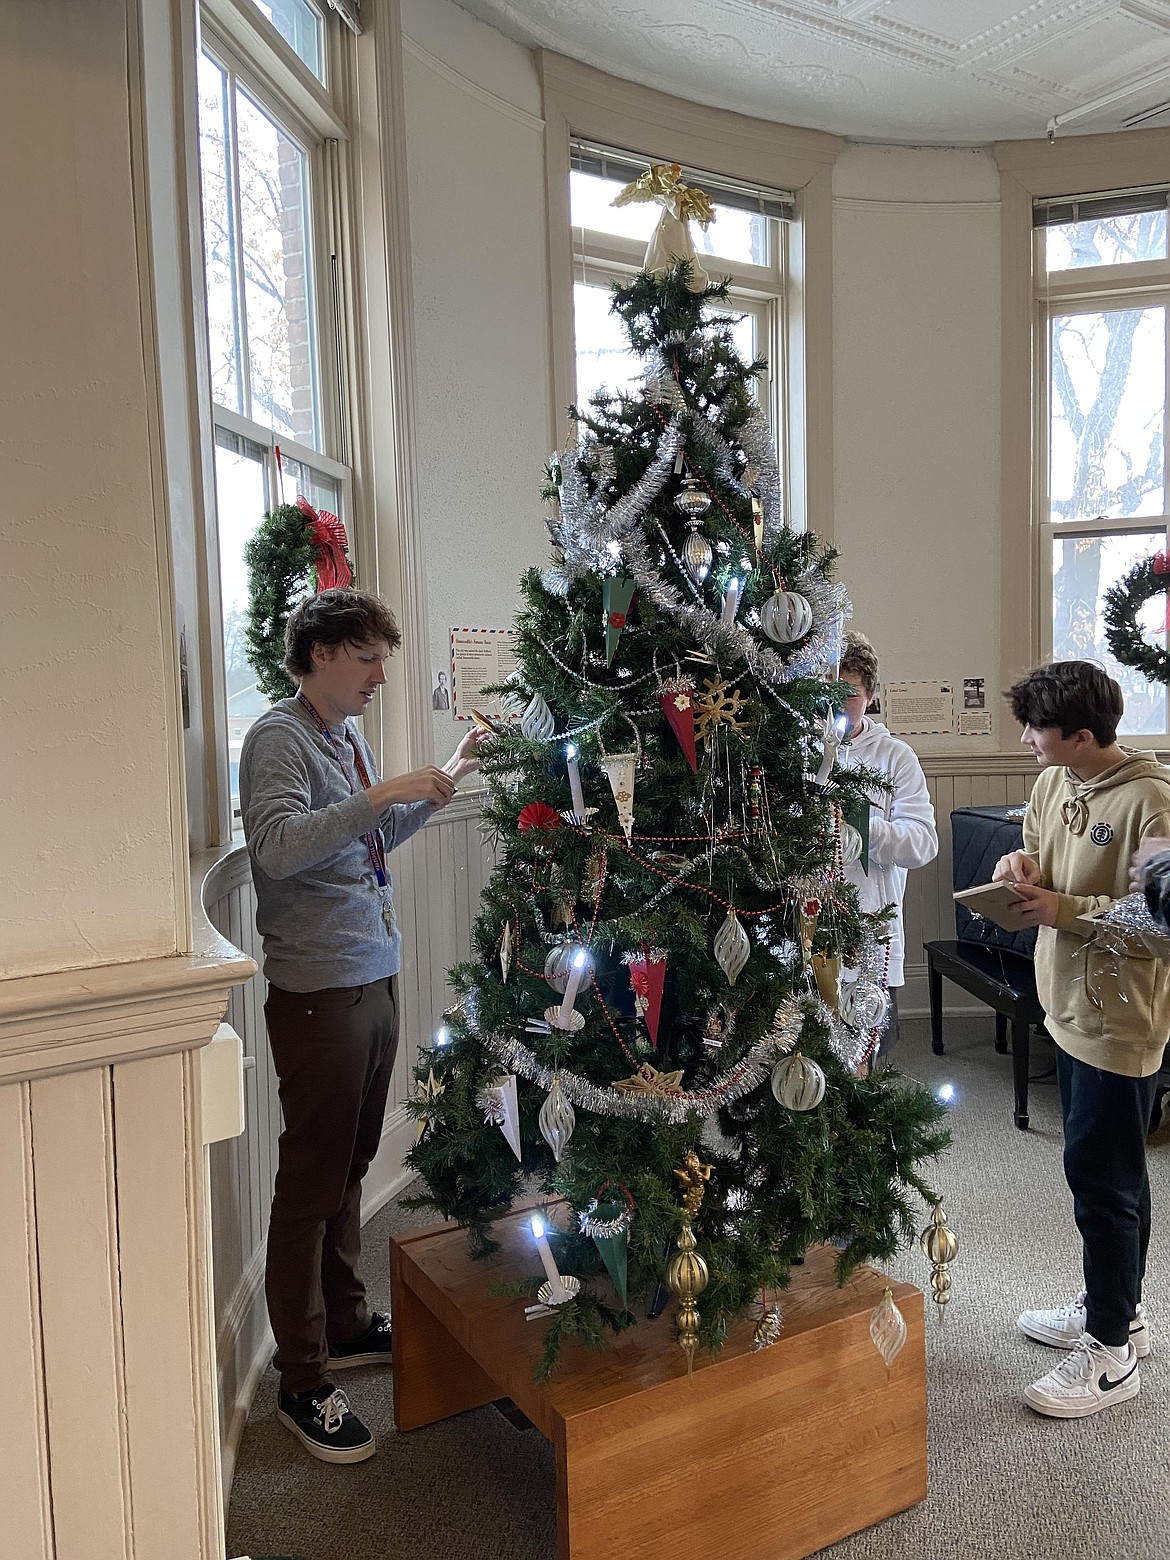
<point>998,902</point>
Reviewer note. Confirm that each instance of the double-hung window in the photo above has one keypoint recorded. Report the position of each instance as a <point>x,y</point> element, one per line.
<point>747,243</point>
<point>268,144</point>
<point>1102,287</point>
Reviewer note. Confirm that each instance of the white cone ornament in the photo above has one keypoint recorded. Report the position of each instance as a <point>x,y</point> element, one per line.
<point>798,1083</point>
<point>732,947</point>
<point>620,767</point>
<point>786,617</point>
<point>501,1108</point>
<point>557,1119</point>
<point>537,722</point>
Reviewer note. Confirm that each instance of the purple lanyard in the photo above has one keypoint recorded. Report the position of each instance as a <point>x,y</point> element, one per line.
<point>374,843</point>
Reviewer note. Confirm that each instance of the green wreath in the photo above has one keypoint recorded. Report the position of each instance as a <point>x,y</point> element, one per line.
<point>1123,602</point>
<point>294,551</point>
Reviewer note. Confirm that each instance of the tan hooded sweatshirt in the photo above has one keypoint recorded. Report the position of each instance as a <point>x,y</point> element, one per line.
<point>1110,1012</point>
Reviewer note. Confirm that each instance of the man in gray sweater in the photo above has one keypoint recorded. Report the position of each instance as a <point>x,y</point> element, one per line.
<point>319,824</point>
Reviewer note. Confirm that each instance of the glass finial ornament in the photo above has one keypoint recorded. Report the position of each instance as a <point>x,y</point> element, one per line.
<point>697,554</point>
<point>798,1083</point>
<point>692,501</point>
<point>941,1245</point>
<point>887,1328</point>
<point>557,1119</point>
<point>767,1329</point>
<point>786,617</point>
<point>537,722</point>
<point>732,947</point>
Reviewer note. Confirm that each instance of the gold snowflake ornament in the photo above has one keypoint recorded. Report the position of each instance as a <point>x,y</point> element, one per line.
<point>719,704</point>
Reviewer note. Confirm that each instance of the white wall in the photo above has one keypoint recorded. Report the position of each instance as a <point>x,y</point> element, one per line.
<point>476,162</point>
<point>86,705</point>
<point>916,426</point>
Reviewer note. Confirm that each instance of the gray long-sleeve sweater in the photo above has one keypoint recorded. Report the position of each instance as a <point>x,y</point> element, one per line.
<point>318,904</point>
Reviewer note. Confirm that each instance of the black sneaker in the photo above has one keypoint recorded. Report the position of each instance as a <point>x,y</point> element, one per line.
<point>325,1425</point>
<point>371,1347</point>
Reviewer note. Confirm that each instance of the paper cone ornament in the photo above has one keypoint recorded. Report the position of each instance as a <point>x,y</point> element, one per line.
<point>617,599</point>
<point>647,977</point>
<point>677,698</point>
<point>620,768</point>
<point>826,968</point>
<point>613,1248</point>
<point>503,1108</point>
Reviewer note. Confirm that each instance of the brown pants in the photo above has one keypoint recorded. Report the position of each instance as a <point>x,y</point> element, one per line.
<point>334,1055</point>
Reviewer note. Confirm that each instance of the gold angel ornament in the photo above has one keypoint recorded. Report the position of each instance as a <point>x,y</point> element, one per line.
<point>671,240</point>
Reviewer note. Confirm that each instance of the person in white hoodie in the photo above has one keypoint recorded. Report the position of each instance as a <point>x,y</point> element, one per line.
<point>902,831</point>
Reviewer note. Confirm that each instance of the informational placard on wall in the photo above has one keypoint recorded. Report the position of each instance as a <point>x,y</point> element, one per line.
<point>920,709</point>
<point>975,723</point>
<point>479,658</point>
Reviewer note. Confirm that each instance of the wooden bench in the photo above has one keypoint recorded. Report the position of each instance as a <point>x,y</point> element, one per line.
<point>767,1455</point>
<point>1006,981</point>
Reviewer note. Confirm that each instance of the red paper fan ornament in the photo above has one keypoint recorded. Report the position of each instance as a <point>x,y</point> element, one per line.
<point>538,817</point>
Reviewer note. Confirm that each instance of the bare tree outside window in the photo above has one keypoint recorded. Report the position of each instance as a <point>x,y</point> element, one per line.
<point>1107,446</point>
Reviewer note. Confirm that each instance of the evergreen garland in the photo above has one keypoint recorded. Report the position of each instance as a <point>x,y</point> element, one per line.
<point>1123,603</point>
<point>279,558</point>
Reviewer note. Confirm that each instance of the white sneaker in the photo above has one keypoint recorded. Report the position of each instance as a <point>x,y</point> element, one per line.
<point>1088,1378</point>
<point>1062,1328</point>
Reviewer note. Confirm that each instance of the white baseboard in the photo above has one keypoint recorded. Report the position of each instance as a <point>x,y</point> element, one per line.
<point>914,998</point>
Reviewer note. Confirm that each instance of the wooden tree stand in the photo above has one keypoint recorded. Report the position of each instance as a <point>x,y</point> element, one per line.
<point>771,1454</point>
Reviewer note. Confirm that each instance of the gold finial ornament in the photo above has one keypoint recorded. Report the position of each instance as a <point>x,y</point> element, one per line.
<point>941,1245</point>
<point>686,1272</point>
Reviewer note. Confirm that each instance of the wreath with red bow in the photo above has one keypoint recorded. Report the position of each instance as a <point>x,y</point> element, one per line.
<point>296,551</point>
<point>1123,603</point>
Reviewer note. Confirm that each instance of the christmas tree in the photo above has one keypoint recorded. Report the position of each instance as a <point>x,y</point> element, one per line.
<point>674,999</point>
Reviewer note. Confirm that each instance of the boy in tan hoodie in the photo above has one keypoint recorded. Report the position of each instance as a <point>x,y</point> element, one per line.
<point>1093,804</point>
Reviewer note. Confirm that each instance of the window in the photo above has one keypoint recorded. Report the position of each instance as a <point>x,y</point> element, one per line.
<point>748,242</point>
<point>1102,272</point>
<point>264,173</point>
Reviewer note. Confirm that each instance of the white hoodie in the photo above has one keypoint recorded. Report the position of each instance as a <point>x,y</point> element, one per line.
<point>901,827</point>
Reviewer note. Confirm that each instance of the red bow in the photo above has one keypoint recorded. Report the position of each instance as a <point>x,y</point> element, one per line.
<point>330,542</point>
<point>617,620</point>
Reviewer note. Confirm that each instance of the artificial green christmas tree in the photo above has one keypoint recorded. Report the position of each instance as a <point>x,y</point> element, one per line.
<point>674,996</point>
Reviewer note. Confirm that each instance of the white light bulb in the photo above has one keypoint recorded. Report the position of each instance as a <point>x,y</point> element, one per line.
<point>443,1036</point>
<point>945,1093</point>
<point>537,1225</point>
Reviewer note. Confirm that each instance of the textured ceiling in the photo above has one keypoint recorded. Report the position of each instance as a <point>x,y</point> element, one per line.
<point>919,71</point>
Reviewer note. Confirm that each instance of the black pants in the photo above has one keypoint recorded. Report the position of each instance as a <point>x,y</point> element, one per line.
<point>334,1056</point>
<point>1105,1121</point>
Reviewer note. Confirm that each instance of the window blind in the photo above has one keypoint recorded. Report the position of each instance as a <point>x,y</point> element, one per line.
<point>624,167</point>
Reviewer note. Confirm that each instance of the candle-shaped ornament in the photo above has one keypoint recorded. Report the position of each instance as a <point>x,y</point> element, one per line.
<point>731,602</point>
<point>557,1288</point>
<point>575,782</point>
<point>576,976</point>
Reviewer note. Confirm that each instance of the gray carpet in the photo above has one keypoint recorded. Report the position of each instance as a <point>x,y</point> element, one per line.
<point>1005,1484</point>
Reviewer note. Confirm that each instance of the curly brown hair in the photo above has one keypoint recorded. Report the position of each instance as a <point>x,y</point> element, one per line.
<point>859,659</point>
<point>1074,695</point>
<point>335,617</point>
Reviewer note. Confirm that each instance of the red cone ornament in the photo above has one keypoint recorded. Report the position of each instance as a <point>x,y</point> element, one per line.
<point>677,698</point>
<point>647,976</point>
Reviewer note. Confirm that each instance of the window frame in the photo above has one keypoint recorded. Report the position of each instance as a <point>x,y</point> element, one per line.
<point>584,104</point>
<point>1087,290</point>
<point>247,47</point>
<point>1029,171</point>
<point>760,290</point>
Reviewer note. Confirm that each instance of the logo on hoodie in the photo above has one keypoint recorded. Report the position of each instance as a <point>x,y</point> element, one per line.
<point>1101,833</point>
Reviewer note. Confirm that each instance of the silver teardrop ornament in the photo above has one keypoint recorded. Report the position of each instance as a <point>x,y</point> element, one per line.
<point>557,1119</point>
<point>732,947</point>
